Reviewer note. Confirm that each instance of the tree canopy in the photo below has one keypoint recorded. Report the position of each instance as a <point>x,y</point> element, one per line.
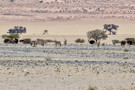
<point>96,35</point>
<point>11,36</point>
<point>110,28</point>
<point>4,36</point>
<point>17,29</point>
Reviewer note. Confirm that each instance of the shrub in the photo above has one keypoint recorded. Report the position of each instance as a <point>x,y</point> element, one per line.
<point>116,41</point>
<point>48,59</point>
<point>126,50</point>
<point>91,88</point>
<point>79,40</point>
<point>40,39</point>
<point>49,40</point>
<point>4,36</point>
<point>27,41</point>
<point>11,36</point>
<point>130,39</point>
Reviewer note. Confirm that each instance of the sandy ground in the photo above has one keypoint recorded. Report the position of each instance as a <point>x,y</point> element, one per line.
<point>74,27</point>
<point>70,30</point>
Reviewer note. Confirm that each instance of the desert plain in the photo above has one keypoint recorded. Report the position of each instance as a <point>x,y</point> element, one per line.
<point>72,66</point>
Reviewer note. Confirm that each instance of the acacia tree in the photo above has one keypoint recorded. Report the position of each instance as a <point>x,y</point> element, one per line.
<point>4,36</point>
<point>11,36</point>
<point>96,35</point>
<point>110,28</point>
<point>18,29</point>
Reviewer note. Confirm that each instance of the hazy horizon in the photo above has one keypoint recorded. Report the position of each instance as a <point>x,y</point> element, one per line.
<point>67,18</point>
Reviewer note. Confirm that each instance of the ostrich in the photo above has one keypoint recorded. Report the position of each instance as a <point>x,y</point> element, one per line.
<point>123,43</point>
<point>92,42</point>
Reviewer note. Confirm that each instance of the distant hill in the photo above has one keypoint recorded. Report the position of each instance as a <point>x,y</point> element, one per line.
<point>71,1</point>
<point>41,10</point>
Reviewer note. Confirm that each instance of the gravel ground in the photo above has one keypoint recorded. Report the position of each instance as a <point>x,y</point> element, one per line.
<point>85,52</point>
<point>71,67</point>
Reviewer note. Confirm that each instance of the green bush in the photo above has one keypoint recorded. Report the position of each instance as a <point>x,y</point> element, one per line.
<point>116,41</point>
<point>79,40</point>
<point>91,88</point>
<point>126,50</point>
<point>27,41</point>
<point>49,40</point>
<point>130,39</point>
<point>48,58</point>
<point>40,39</point>
<point>11,36</point>
<point>4,36</point>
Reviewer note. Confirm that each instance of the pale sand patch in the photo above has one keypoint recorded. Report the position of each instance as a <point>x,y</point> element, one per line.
<point>75,27</point>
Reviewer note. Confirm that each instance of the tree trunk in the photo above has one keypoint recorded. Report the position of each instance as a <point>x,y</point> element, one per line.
<point>96,40</point>
<point>110,32</point>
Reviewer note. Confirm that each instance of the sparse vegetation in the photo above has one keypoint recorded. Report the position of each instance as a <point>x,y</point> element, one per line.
<point>126,50</point>
<point>4,36</point>
<point>110,28</point>
<point>91,88</point>
<point>130,39</point>
<point>96,35</point>
<point>27,41</point>
<point>11,36</point>
<point>48,59</point>
<point>40,39</point>
<point>79,40</point>
<point>49,40</point>
<point>17,29</point>
<point>116,41</point>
